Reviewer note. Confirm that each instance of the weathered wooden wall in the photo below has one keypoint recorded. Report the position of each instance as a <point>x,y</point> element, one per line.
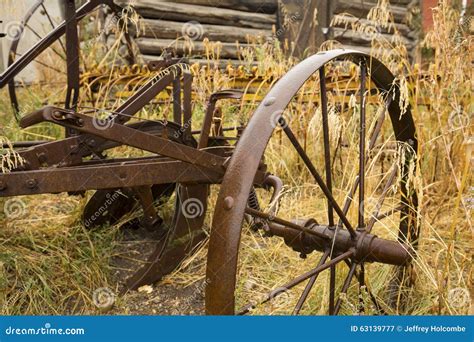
<point>358,11</point>
<point>318,24</point>
<point>230,22</point>
<point>305,23</point>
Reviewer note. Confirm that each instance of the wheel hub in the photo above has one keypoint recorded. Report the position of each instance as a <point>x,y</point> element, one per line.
<point>367,247</point>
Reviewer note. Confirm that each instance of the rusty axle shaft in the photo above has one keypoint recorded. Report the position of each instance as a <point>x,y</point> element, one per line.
<point>366,247</point>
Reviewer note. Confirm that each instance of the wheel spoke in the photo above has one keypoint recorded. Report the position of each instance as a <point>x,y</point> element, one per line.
<point>390,212</point>
<point>327,157</point>
<point>52,26</point>
<point>378,126</point>
<point>332,289</point>
<point>371,295</point>
<point>345,287</point>
<point>379,204</point>
<point>41,38</point>
<point>327,152</point>
<point>350,196</point>
<point>361,222</point>
<point>298,280</point>
<point>361,279</point>
<point>310,285</point>
<point>373,139</point>
<point>316,175</point>
<point>44,64</point>
<point>375,302</point>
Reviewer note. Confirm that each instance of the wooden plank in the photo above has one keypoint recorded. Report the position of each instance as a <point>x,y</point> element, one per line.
<point>362,8</point>
<point>152,46</point>
<point>155,28</point>
<point>220,64</point>
<point>349,20</point>
<point>354,38</point>
<point>202,14</point>
<point>404,2</point>
<point>262,6</point>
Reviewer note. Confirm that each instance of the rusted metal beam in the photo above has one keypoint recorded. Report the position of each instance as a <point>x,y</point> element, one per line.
<point>67,179</point>
<point>126,136</point>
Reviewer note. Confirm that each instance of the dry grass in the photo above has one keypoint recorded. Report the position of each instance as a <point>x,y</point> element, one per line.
<point>50,264</point>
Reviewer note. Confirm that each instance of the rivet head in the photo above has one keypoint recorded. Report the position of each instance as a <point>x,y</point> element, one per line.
<point>269,101</point>
<point>228,202</point>
<point>42,158</point>
<point>31,183</point>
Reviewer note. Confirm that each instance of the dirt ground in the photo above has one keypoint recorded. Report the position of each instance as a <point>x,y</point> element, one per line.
<point>161,298</point>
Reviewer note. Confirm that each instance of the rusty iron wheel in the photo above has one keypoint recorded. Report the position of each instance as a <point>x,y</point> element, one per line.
<point>51,61</point>
<point>348,237</point>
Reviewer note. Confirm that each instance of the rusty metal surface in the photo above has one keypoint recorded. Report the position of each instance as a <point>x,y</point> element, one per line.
<point>125,135</point>
<point>185,234</point>
<point>63,165</point>
<point>232,200</point>
<point>180,164</point>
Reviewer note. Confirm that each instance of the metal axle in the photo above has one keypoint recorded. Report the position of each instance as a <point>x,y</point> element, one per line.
<point>366,247</point>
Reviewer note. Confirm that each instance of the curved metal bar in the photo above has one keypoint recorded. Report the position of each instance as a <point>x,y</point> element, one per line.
<point>232,200</point>
<point>13,53</point>
<point>48,40</point>
<point>16,66</point>
<point>185,234</point>
<point>310,284</point>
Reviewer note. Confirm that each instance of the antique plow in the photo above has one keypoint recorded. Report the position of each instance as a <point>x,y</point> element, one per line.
<point>353,160</point>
